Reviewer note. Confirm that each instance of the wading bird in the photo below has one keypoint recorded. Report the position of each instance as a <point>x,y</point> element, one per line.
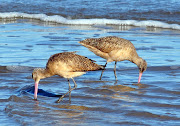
<point>67,65</point>
<point>113,48</point>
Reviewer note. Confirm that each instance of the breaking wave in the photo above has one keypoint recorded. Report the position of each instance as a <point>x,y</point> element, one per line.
<point>94,21</point>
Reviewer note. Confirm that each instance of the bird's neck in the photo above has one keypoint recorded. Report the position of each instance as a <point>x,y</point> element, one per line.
<point>45,73</point>
<point>137,60</point>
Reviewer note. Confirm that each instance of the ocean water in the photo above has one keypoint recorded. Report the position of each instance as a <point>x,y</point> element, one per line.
<point>32,31</point>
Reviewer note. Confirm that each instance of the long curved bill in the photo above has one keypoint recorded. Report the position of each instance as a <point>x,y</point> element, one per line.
<point>140,74</point>
<point>35,90</point>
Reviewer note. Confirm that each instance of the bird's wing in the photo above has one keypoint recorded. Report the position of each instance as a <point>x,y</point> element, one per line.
<point>81,63</point>
<point>73,62</point>
<point>105,44</point>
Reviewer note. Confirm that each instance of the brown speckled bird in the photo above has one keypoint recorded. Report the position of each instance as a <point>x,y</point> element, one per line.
<point>67,65</point>
<point>113,48</point>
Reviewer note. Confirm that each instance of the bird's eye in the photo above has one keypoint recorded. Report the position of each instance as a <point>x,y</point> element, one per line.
<point>142,69</point>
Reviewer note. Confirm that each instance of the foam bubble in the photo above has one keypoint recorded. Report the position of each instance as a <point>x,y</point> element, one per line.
<point>62,20</point>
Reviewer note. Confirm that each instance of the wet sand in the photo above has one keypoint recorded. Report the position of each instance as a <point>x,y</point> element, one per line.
<point>25,46</point>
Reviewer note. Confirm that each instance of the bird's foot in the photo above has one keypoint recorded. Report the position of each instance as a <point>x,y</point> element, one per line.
<point>116,81</point>
<point>60,99</point>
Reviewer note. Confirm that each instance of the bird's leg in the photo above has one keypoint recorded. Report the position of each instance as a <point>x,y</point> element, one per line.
<point>102,71</point>
<point>75,86</point>
<point>115,70</point>
<point>69,90</point>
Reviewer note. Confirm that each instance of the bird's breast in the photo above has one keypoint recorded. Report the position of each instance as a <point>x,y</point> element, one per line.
<point>66,74</point>
<point>120,55</point>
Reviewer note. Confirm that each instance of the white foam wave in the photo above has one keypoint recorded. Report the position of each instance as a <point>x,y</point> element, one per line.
<point>19,68</point>
<point>62,20</point>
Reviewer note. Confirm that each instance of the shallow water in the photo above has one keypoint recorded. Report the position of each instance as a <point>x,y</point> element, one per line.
<point>32,31</point>
<point>26,45</point>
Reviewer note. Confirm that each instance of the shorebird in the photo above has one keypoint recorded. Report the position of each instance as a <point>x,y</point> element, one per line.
<point>113,48</point>
<point>67,65</point>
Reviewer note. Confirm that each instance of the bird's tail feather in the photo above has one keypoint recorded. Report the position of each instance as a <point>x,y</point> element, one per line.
<point>102,67</point>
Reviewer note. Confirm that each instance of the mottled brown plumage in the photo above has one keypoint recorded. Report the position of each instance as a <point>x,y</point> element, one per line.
<point>113,48</point>
<point>73,62</point>
<point>67,65</point>
<point>108,44</point>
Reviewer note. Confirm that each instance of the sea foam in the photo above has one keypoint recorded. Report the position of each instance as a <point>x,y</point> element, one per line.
<point>14,68</point>
<point>103,21</point>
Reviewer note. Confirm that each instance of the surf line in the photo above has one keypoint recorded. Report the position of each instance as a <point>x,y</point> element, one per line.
<point>94,21</point>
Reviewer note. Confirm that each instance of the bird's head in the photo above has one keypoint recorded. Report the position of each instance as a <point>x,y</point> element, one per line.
<point>37,74</point>
<point>142,65</point>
